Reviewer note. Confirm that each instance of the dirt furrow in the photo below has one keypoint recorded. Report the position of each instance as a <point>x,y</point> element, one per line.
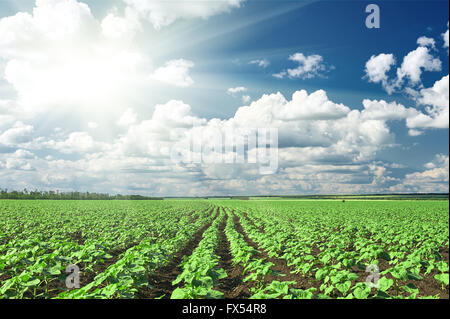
<point>232,286</point>
<point>260,229</point>
<point>55,287</point>
<point>160,281</point>
<point>283,272</point>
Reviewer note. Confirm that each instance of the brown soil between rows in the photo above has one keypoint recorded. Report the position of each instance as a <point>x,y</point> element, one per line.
<point>260,229</point>
<point>232,286</point>
<point>57,285</point>
<point>428,285</point>
<point>280,265</point>
<point>160,281</point>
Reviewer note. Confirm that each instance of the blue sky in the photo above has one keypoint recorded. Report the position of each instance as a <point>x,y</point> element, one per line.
<point>91,106</point>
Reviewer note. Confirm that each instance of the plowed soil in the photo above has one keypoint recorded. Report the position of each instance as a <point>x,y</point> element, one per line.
<point>282,271</point>
<point>232,286</point>
<point>160,281</point>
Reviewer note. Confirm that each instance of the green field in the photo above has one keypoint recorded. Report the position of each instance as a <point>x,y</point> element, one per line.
<point>292,249</point>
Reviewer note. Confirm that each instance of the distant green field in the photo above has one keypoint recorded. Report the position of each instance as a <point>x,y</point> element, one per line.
<point>366,197</point>
<point>292,249</point>
<point>336,197</point>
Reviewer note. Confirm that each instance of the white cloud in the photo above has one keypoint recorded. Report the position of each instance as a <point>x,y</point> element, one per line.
<point>163,13</point>
<point>127,118</point>
<point>155,136</point>
<point>279,75</point>
<point>437,95</point>
<point>382,110</point>
<point>315,106</point>
<point>311,126</point>
<point>23,154</point>
<point>175,113</point>
<point>436,99</point>
<point>312,129</point>
<point>413,132</point>
<point>445,38</point>
<point>435,115</point>
<point>263,63</point>
<point>76,142</point>
<point>408,80</point>
<point>309,67</point>
<point>434,179</point>
<point>239,90</point>
<point>377,67</point>
<point>6,120</point>
<point>236,90</point>
<point>123,28</point>
<point>425,42</point>
<point>408,75</point>
<point>16,135</point>
<point>415,62</point>
<point>19,160</point>
<point>93,125</point>
<point>60,56</point>
<point>324,147</point>
<point>175,72</point>
<point>246,99</point>
<point>16,164</point>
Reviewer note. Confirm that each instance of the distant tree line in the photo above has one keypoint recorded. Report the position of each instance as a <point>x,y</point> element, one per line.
<point>36,194</point>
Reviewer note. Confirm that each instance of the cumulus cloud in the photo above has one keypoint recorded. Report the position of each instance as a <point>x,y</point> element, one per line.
<point>7,116</point>
<point>246,99</point>
<point>415,62</point>
<point>445,38</point>
<point>317,155</point>
<point>426,42</point>
<point>407,79</point>
<point>19,160</point>
<point>263,63</point>
<point>308,67</point>
<point>240,90</point>
<point>311,127</point>
<point>434,179</point>
<point>414,132</point>
<point>123,28</point>
<point>235,90</point>
<point>313,131</point>
<point>163,13</point>
<point>19,133</point>
<point>60,55</point>
<point>436,100</point>
<point>377,67</point>
<point>127,118</point>
<point>382,110</point>
<point>304,106</point>
<point>435,114</point>
<point>154,136</point>
<point>408,75</point>
<point>76,142</point>
<point>175,72</point>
